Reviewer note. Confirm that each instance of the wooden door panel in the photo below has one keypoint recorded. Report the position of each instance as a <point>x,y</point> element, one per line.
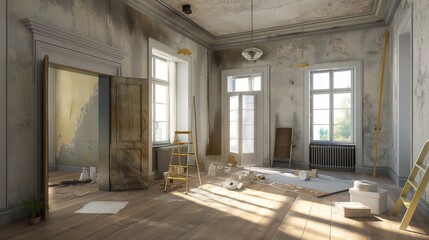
<point>129,104</point>
<point>129,134</point>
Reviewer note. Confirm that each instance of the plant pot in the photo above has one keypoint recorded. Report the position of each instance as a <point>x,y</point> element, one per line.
<point>34,221</point>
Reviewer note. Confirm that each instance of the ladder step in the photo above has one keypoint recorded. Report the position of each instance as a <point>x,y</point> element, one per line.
<point>182,154</point>
<point>421,166</point>
<point>177,178</point>
<point>177,165</point>
<point>406,201</point>
<point>183,132</point>
<point>181,143</point>
<point>413,184</point>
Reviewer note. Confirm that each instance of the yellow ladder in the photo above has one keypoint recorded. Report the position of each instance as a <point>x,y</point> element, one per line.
<point>179,170</point>
<point>419,188</point>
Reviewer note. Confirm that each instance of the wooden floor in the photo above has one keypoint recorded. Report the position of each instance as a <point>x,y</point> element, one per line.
<point>257,212</point>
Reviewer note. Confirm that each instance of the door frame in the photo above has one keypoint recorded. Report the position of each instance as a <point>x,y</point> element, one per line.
<point>69,50</point>
<point>265,72</point>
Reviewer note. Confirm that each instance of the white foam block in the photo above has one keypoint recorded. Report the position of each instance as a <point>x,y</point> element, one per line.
<point>377,201</point>
<point>352,209</point>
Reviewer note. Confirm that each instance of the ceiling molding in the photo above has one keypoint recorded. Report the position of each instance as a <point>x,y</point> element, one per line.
<point>381,15</point>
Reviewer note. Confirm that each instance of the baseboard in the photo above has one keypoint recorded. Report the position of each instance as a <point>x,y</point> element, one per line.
<point>69,168</point>
<point>369,170</point>
<point>53,168</point>
<point>12,214</point>
<point>424,207</point>
<point>400,181</point>
<point>299,165</point>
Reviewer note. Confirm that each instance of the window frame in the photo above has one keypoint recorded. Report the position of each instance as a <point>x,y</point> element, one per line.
<point>332,91</point>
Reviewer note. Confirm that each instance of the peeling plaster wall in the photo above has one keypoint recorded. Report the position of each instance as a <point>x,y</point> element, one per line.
<point>287,84</point>
<point>76,119</point>
<point>108,21</point>
<point>420,80</point>
<point>395,30</point>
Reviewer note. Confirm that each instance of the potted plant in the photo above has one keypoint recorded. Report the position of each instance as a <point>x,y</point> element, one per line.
<point>34,207</point>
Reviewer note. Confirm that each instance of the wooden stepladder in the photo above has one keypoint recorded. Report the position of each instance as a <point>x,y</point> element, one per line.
<point>418,187</point>
<point>180,161</point>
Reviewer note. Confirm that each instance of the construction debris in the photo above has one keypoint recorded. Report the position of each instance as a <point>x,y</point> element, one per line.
<point>232,184</point>
<point>260,176</point>
<point>352,209</point>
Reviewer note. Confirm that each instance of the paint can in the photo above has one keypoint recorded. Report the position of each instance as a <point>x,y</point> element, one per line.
<point>303,175</point>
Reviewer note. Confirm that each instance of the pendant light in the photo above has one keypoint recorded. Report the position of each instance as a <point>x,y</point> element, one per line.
<point>251,53</point>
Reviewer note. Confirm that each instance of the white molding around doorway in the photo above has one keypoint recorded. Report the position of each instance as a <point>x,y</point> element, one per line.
<point>265,72</point>
<point>68,50</point>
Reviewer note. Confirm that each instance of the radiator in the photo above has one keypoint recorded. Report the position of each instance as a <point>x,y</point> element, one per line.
<point>332,156</point>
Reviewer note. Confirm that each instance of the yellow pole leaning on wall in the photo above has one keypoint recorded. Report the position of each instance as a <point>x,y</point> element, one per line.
<point>377,130</point>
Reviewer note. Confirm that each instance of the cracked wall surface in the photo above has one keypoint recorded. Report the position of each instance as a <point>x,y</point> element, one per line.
<point>109,22</point>
<point>286,84</point>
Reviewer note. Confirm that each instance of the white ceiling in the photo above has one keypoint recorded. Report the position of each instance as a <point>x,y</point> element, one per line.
<point>220,24</point>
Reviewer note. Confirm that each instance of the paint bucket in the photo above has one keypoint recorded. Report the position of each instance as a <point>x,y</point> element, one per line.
<point>93,174</point>
<point>303,175</point>
<point>84,176</point>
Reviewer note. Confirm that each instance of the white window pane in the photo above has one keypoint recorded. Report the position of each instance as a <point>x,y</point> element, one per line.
<point>161,69</point>
<point>233,103</point>
<point>233,145</point>
<point>343,79</point>
<point>233,130</point>
<point>233,116</point>
<point>248,102</point>
<point>248,117</point>
<point>242,84</point>
<point>321,132</point>
<point>249,132</point>
<point>257,83</point>
<point>321,117</point>
<point>320,80</point>
<point>342,116</point>
<point>161,112</point>
<point>343,132</point>
<point>161,131</point>
<point>161,93</point>
<point>342,100</point>
<point>248,146</point>
<point>321,101</point>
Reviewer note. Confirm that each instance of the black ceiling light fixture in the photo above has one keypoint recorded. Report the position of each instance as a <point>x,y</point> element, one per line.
<point>186,8</point>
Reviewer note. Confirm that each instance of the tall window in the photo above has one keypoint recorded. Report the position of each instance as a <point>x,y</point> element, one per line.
<point>332,106</point>
<point>160,100</point>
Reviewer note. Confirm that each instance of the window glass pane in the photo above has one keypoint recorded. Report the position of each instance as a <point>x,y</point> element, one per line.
<point>343,132</point>
<point>241,84</point>
<point>233,116</point>
<point>233,103</point>
<point>248,146</point>
<point>321,117</point>
<point>233,130</point>
<point>161,112</point>
<point>342,116</point>
<point>161,131</point>
<point>248,132</point>
<point>342,100</point>
<point>248,102</point>
<point>233,145</point>
<point>321,132</point>
<point>321,101</point>
<point>343,79</point>
<point>161,69</point>
<point>256,83</point>
<point>320,81</point>
<point>161,93</point>
<point>248,117</point>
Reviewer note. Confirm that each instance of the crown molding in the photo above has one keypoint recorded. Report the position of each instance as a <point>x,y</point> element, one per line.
<point>381,15</point>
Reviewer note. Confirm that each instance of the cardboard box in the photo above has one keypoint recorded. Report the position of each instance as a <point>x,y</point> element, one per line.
<point>377,201</point>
